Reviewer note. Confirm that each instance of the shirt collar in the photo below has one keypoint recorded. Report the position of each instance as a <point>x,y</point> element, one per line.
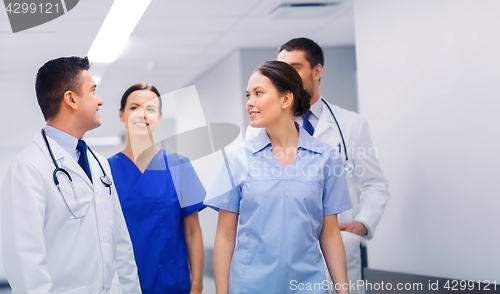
<point>306,141</point>
<point>260,141</point>
<point>66,141</point>
<point>317,108</point>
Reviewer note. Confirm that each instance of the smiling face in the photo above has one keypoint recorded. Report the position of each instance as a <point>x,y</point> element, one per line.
<point>265,103</point>
<point>88,102</point>
<point>141,114</point>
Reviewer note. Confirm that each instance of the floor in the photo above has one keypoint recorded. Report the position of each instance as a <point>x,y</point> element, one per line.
<point>421,284</point>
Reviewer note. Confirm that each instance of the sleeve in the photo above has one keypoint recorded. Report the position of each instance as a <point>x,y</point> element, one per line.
<point>336,197</point>
<point>126,267</point>
<point>22,210</point>
<point>370,181</point>
<point>224,192</point>
<point>191,188</point>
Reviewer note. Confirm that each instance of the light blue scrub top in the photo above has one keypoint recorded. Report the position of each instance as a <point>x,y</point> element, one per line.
<point>280,212</point>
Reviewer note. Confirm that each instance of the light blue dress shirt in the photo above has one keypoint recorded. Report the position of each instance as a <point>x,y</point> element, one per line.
<point>66,141</point>
<point>280,212</point>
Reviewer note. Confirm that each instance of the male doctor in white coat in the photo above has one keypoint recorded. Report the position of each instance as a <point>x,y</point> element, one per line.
<point>71,241</point>
<point>365,174</point>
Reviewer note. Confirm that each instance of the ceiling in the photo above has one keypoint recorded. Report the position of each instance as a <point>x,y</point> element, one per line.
<point>174,43</point>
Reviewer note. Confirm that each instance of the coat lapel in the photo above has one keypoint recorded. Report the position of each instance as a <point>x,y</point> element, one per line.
<point>325,121</point>
<point>96,171</point>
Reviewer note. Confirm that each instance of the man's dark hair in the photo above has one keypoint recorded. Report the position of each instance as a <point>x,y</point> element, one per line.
<point>56,77</point>
<point>313,52</point>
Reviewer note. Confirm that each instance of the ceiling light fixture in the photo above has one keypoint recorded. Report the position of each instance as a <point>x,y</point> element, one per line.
<point>116,30</point>
<point>304,10</point>
<point>97,80</point>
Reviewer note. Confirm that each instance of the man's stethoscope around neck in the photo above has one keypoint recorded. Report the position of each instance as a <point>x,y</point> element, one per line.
<point>347,166</point>
<point>106,181</point>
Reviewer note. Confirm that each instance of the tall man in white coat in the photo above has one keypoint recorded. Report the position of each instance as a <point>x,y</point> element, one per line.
<point>364,174</point>
<point>64,239</point>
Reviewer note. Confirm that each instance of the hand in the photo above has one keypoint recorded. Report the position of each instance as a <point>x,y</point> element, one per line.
<point>196,288</point>
<point>355,228</point>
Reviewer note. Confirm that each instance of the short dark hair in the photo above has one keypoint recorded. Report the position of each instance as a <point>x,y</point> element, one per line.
<point>313,52</point>
<point>138,87</point>
<point>286,79</point>
<point>56,77</point>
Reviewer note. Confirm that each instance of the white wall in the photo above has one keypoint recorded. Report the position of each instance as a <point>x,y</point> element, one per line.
<point>429,85</point>
<point>221,101</point>
<point>219,91</point>
<point>339,82</point>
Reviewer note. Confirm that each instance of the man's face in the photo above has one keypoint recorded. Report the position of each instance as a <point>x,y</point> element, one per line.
<point>297,59</point>
<point>88,102</point>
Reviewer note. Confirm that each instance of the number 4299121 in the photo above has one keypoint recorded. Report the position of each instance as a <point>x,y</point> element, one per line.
<point>32,8</point>
<point>470,285</point>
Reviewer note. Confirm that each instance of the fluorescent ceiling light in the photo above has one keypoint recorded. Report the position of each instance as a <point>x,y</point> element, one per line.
<point>97,80</point>
<point>116,29</point>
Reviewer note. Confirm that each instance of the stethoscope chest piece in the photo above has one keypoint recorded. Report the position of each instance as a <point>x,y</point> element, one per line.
<point>348,167</point>
<point>106,181</point>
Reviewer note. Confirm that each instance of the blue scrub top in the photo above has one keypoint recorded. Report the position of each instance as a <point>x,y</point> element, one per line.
<point>280,212</point>
<point>154,204</point>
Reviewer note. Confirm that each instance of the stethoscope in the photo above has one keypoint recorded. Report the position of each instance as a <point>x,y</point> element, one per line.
<point>106,181</point>
<point>347,166</point>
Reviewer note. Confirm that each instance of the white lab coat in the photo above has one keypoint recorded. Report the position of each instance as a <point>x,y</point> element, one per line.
<point>45,250</point>
<point>366,176</point>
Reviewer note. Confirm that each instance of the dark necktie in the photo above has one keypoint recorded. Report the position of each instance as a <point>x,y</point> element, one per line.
<point>306,124</point>
<point>83,161</point>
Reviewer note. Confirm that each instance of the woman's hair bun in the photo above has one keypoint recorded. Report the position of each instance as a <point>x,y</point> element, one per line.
<point>302,103</point>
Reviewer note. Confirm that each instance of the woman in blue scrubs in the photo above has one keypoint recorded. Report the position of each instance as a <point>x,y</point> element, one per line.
<point>277,196</point>
<point>160,195</point>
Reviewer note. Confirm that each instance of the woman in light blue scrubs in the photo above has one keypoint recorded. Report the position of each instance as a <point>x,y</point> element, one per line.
<point>278,194</point>
<point>160,195</point>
